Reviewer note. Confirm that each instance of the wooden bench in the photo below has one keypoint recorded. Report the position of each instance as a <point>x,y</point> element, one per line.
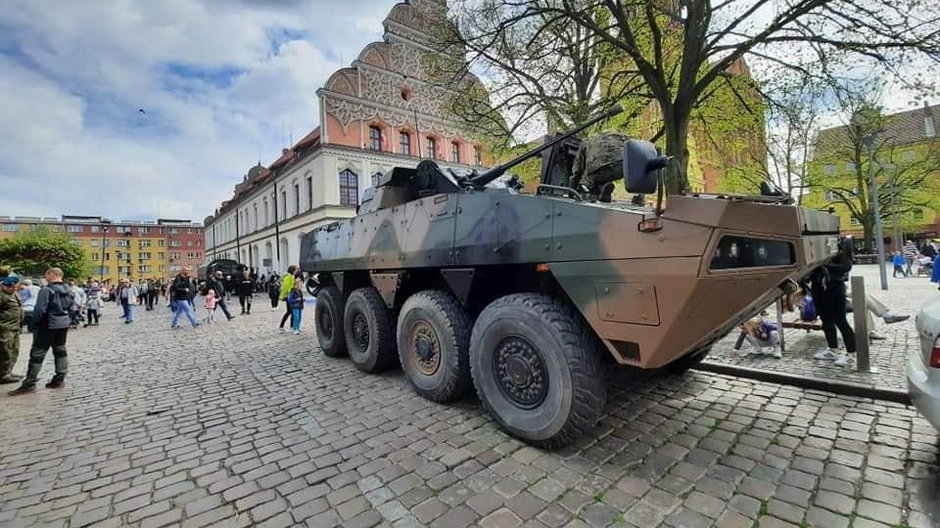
<point>803,325</point>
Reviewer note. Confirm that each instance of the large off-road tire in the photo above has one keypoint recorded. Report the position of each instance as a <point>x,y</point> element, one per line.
<point>328,318</point>
<point>536,368</point>
<point>433,345</point>
<point>369,330</point>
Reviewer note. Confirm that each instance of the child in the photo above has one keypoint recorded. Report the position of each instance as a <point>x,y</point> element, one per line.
<point>211,301</point>
<point>762,336</point>
<point>295,301</point>
<point>898,261</point>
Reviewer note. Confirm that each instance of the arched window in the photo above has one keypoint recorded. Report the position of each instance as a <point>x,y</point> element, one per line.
<point>309,192</point>
<point>432,148</point>
<point>283,205</point>
<point>267,216</point>
<point>296,198</point>
<point>455,151</point>
<point>254,214</point>
<point>376,178</point>
<point>348,188</point>
<point>375,138</point>
<point>404,142</point>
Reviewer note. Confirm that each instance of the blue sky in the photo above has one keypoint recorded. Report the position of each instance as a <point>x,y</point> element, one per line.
<point>218,80</point>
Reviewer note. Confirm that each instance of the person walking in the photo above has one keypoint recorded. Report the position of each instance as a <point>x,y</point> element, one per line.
<point>11,324</point>
<point>127,294</point>
<point>211,301</point>
<point>295,299</point>
<point>50,327</point>
<point>910,255</point>
<point>287,284</point>
<point>246,290</point>
<point>274,291</point>
<point>94,305</point>
<point>153,290</point>
<point>898,261</point>
<point>181,299</point>
<point>78,304</point>
<point>217,283</point>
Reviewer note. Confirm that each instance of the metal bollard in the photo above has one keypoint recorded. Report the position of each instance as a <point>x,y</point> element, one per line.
<point>859,308</point>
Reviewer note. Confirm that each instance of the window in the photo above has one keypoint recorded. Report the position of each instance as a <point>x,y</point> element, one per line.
<point>198,255</point>
<point>144,230</point>
<point>143,269</point>
<point>432,148</point>
<point>76,242</point>
<point>189,243</point>
<point>124,270</point>
<point>404,142</point>
<point>145,243</point>
<point>376,178</point>
<point>918,214</point>
<point>831,196</point>
<point>95,255</point>
<point>254,214</point>
<point>455,152</point>
<point>161,243</point>
<point>477,156</point>
<point>101,270</point>
<point>95,243</point>
<point>309,192</point>
<point>76,228</point>
<point>175,243</point>
<point>267,217</point>
<point>348,188</point>
<point>830,169</point>
<point>929,130</point>
<point>95,229</point>
<point>296,198</point>
<point>10,228</point>
<point>144,255</point>
<point>123,243</point>
<point>174,231</point>
<point>107,243</point>
<point>198,243</point>
<point>375,138</point>
<point>283,205</point>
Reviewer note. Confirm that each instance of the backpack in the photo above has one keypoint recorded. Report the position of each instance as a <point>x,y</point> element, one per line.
<point>808,310</point>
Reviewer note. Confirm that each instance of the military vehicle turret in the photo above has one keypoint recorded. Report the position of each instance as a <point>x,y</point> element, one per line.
<point>467,280</point>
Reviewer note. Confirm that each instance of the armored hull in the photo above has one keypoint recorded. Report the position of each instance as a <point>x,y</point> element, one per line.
<point>650,295</point>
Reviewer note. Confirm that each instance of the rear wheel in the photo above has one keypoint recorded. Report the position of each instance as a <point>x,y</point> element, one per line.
<point>433,343</point>
<point>328,317</point>
<point>370,333</point>
<point>536,369</point>
<point>683,364</point>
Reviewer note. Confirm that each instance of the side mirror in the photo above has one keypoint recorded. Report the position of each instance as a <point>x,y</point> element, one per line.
<point>640,163</point>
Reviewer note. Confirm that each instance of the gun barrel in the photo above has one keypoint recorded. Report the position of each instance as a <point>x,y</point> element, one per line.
<point>495,172</point>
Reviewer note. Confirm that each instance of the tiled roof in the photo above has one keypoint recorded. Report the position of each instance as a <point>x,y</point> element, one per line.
<point>902,128</point>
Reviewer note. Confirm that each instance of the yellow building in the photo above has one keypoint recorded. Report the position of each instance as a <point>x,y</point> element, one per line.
<point>121,249</point>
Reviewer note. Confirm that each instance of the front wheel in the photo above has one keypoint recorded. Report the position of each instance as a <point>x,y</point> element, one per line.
<point>328,318</point>
<point>536,369</point>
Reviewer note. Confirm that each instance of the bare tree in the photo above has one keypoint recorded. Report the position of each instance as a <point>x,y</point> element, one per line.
<point>683,49</point>
<point>906,173</point>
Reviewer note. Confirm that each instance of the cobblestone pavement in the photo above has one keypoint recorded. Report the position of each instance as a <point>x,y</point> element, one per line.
<point>904,296</point>
<point>239,425</point>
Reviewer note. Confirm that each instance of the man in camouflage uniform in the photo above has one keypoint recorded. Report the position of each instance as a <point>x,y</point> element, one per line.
<point>11,321</point>
<point>599,162</point>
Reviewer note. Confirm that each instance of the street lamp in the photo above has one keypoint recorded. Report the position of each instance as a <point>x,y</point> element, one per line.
<point>104,234</point>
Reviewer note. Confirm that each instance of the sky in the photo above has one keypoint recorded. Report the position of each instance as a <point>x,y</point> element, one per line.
<point>222,83</point>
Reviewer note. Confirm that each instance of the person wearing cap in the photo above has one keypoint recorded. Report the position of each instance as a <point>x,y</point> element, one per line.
<point>11,322</point>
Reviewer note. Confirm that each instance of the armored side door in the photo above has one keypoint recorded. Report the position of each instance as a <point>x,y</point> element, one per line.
<point>429,231</point>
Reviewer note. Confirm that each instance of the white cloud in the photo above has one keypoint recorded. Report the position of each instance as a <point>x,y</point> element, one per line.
<point>216,78</point>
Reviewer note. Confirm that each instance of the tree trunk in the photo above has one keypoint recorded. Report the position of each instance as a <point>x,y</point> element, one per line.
<point>868,230</point>
<point>677,141</point>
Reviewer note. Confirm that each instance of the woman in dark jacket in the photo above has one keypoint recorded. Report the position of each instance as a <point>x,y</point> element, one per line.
<point>274,291</point>
<point>827,285</point>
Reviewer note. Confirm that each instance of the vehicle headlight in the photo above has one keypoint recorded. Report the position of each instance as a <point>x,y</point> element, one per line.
<point>745,252</point>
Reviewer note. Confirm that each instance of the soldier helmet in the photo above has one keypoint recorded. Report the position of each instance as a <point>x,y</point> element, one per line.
<point>11,279</point>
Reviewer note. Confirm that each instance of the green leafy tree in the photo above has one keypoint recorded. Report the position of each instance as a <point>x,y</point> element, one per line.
<point>682,50</point>
<point>31,253</point>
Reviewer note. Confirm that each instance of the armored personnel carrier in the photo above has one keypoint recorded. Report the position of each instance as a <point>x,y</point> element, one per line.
<point>466,280</point>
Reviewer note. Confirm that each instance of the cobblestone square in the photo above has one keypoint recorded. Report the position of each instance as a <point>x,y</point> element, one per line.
<point>241,425</point>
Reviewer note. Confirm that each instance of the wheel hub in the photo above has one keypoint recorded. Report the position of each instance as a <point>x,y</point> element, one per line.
<point>360,330</point>
<point>520,372</point>
<point>426,347</point>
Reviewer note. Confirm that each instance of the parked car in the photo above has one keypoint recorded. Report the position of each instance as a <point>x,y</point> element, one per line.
<point>923,364</point>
